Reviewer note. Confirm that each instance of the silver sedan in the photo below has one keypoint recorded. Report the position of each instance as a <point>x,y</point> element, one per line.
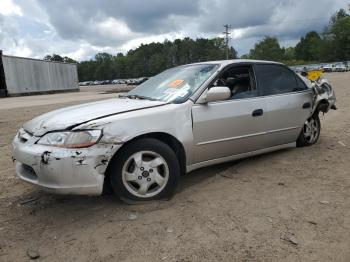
<point>183,119</point>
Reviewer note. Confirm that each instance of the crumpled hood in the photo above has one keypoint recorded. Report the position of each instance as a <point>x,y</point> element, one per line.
<point>67,117</point>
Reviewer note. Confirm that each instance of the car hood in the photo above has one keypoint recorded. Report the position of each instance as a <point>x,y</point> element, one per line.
<point>69,117</point>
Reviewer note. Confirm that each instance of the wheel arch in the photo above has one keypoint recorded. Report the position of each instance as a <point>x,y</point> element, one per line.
<point>166,138</point>
<point>322,106</point>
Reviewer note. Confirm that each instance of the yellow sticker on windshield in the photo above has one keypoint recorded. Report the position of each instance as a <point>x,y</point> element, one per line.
<point>176,83</point>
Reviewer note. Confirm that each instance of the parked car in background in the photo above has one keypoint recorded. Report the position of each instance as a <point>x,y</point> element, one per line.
<point>142,80</point>
<point>133,81</point>
<point>340,68</point>
<point>130,82</point>
<point>183,119</point>
<point>328,68</point>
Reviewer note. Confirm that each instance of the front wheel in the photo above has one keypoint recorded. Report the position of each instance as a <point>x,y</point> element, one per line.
<point>311,132</point>
<point>145,169</point>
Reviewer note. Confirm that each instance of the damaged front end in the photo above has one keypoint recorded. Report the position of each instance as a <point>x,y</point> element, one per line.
<point>63,170</point>
<point>54,152</point>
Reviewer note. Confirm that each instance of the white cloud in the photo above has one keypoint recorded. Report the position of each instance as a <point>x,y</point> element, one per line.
<point>9,8</point>
<point>81,28</point>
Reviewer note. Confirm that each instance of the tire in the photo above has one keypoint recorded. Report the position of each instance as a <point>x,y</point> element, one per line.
<point>310,132</point>
<point>145,169</point>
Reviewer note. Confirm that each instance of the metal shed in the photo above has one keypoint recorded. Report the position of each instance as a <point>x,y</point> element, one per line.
<point>25,76</point>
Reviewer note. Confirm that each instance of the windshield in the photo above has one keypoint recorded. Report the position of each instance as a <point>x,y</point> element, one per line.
<point>175,84</point>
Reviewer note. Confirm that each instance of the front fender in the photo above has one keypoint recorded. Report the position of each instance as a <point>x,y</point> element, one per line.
<point>172,119</point>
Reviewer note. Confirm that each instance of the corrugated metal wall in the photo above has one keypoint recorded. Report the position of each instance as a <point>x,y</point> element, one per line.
<point>25,75</point>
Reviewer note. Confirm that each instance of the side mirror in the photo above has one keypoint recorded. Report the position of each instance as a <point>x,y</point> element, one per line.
<point>216,93</point>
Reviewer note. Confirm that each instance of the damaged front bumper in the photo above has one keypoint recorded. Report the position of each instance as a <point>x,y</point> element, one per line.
<point>61,170</point>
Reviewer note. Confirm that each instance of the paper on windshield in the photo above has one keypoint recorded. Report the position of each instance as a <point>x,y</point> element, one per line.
<point>176,83</point>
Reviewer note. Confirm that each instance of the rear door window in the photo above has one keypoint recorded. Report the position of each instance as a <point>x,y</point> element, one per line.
<point>275,79</point>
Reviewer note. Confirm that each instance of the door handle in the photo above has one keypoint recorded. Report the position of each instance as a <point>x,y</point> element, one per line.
<point>306,105</point>
<point>257,112</point>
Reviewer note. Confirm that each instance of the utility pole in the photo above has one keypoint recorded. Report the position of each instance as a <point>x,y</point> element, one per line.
<point>227,33</point>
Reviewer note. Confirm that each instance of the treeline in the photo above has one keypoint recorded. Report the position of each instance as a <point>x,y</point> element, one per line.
<point>150,59</point>
<point>333,44</point>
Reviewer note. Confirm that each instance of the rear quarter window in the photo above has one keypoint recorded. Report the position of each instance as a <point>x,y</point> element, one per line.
<point>276,79</point>
<point>301,84</point>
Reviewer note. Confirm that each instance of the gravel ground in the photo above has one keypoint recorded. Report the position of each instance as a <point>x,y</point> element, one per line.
<point>291,205</point>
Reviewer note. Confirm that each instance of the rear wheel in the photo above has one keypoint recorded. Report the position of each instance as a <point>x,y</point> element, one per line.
<point>143,170</point>
<point>311,131</point>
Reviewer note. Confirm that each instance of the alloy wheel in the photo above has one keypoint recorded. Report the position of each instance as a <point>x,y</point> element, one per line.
<point>145,174</point>
<point>311,130</point>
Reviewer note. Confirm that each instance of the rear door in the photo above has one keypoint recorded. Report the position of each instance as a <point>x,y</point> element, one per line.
<point>288,102</point>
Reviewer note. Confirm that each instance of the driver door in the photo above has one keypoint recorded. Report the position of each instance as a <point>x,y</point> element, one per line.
<point>230,127</point>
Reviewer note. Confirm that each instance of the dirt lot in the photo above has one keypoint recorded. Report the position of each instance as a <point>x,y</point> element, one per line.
<point>292,205</point>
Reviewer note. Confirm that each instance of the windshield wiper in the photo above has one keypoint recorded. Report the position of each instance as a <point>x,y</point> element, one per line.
<point>138,97</point>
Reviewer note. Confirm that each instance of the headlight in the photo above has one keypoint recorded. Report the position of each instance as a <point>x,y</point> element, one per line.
<point>71,139</point>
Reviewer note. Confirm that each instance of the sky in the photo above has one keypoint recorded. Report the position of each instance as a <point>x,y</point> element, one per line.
<point>81,28</point>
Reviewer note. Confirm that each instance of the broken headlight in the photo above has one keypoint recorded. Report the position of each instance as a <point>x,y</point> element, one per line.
<point>71,139</point>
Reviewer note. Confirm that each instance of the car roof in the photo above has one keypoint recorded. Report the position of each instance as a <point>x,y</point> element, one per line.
<point>236,61</point>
